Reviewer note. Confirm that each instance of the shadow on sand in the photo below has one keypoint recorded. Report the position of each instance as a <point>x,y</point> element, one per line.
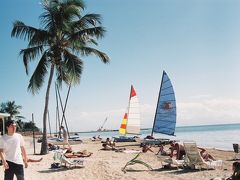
<point>59,169</point>
<point>172,170</point>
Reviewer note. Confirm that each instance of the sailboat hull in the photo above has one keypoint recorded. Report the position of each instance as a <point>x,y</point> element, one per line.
<point>124,139</point>
<point>161,141</point>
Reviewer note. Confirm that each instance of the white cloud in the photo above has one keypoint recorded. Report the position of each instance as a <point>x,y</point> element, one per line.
<point>209,111</point>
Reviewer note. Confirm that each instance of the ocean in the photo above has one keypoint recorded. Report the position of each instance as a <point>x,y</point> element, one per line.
<point>220,136</point>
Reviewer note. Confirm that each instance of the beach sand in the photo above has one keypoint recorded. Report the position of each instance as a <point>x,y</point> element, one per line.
<point>104,165</point>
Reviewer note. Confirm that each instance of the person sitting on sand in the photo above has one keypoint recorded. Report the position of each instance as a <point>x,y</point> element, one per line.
<point>236,171</point>
<point>177,150</point>
<point>107,147</point>
<point>70,154</point>
<point>146,148</point>
<point>98,138</point>
<point>52,147</point>
<point>110,143</point>
<point>205,155</point>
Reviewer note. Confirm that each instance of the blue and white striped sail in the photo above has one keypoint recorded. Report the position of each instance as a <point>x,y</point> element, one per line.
<point>165,116</point>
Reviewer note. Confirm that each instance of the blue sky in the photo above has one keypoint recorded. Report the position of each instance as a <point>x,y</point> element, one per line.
<point>196,42</point>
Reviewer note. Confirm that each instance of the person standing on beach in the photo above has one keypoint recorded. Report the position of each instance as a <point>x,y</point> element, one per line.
<point>65,137</point>
<point>13,152</point>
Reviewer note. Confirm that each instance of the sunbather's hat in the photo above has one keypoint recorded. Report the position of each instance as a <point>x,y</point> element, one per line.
<point>10,122</point>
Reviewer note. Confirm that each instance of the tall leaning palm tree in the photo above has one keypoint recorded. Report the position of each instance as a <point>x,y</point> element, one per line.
<point>65,36</point>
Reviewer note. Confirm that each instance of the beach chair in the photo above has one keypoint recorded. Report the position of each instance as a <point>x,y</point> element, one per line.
<point>59,156</point>
<point>236,149</point>
<point>175,162</point>
<point>195,159</point>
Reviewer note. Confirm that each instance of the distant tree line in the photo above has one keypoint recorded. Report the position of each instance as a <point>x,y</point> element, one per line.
<point>11,108</point>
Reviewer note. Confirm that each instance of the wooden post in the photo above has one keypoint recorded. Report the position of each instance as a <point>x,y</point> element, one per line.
<point>33,135</point>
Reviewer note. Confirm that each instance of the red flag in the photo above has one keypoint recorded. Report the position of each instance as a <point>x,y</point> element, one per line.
<point>133,93</point>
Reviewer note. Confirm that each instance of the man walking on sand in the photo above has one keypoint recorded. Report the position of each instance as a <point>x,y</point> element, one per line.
<point>13,152</point>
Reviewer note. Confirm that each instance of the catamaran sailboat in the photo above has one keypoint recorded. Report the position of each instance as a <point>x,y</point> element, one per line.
<point>101,127</point>
<point>131,120</point>
<point>165,115</point>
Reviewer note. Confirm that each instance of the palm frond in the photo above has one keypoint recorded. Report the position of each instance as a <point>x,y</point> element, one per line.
<point>91,51</point>
<point>47,17</point>
<point>61,74</point>
<point>136,161</point>
<point>71,9</point>
<point>41,37</point>
<point>89,33</point>
<point>78,3</point>
<point>93,42</point>
<point>30,54</point>
<point>22,31</point>
<point>141,162</point>
<point>88,20</point>
<point>74,67</point>
<point>38,76</point>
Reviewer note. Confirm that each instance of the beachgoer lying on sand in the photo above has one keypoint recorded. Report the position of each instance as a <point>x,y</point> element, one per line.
<point>71,154</point>
<point>107,147</point>
<point>236,171</point>
<point>52,147</point>
<point>34,160</point>
<point>146,148</point>
<point>177,150</point>
<point>96,138</point>
<point>205,155</point>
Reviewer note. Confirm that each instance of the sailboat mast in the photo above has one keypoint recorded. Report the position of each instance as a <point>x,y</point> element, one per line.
<point>101,127</point>
<point>128,106</point>
<point>157,104</point>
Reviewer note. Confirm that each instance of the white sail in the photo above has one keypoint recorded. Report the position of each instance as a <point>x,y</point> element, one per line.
<point>133,121</point>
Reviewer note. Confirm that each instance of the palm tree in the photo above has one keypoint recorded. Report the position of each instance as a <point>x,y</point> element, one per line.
<point>11,108</point>
<point>64,35</point>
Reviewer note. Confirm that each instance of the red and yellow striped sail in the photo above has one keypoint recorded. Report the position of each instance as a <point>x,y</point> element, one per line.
<point>122,129</point>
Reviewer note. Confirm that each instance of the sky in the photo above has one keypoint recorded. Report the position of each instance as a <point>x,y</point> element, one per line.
<point>197,42</point>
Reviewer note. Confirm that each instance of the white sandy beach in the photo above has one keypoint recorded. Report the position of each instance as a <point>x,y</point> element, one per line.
<point>105,165</point>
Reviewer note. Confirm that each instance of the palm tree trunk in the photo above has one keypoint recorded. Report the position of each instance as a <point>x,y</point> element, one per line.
<point>44,147</point>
